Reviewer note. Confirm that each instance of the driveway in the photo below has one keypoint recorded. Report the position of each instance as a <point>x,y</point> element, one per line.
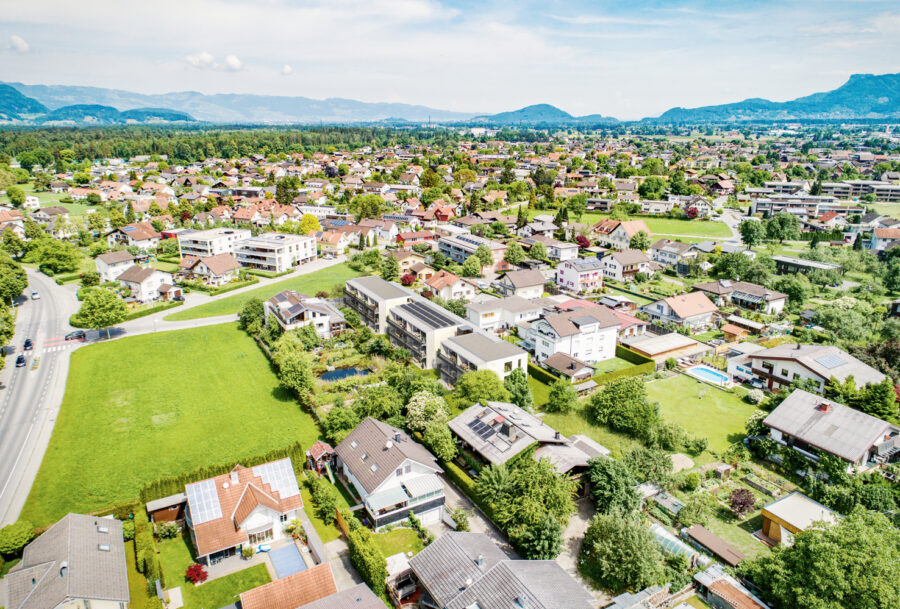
<point>478,522</point>
<point>573,536</point>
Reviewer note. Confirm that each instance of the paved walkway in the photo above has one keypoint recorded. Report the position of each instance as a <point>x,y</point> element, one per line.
<point>572,538</point>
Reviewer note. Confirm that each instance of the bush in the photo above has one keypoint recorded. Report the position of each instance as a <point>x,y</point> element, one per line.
<point>128,530</point>
<point>196,574</point>
<point>461,518</point>
<point>671,364</point>
<point>324,496</point>
<point>14,537</point>
<point>367,559</point>
<point>166,530</point>
<point>691,482</point>
<point>755,396</point>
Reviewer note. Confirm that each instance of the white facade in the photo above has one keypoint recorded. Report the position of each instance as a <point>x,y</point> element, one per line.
<point>408,471</point>
<point>148,289</point>
<point>211,242</point>
<point>111,272</point>
<point>275,252</point>
<point>580,275</point>
<point>592,344</point>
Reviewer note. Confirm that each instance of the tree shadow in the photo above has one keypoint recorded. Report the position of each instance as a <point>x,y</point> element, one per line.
<point>283,394</point>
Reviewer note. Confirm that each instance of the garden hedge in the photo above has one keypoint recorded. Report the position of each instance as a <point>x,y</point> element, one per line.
<point>368,560</point>
<point>267,274</point>
<point>541,375</point>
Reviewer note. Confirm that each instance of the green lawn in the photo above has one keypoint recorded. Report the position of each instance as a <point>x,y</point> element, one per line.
<point>740,534</point>
<point>611,365</point>
<point>138,589</point>
<point>140,408</point>
<point>576,423</point>
<point>328,532</point>
<point>175,557</point>
<point>310,283</point>
<point>669,226</point>
<point>398,540</point>
<point>696,601</point>
<point>640,300</point>
<point>718,416</point>
<point>681,237</point>
<point>891,209</point>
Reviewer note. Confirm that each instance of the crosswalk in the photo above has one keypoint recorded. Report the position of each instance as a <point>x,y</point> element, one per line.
<point>52,349</point>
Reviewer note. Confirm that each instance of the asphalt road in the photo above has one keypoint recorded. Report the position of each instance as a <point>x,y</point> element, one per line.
<point>30,395</point>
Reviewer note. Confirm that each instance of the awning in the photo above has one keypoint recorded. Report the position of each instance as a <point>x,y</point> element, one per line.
<point>422,485</point>
<point>386,498</point>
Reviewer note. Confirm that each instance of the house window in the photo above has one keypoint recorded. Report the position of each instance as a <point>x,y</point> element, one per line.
<point>374,467</point>
<point>283,518</point>
<point>399,471</point>
<point>365,456</point>
<point>408,468</point>
<point>353,444</point>
<point>261,537</point>
<point>784,372</point>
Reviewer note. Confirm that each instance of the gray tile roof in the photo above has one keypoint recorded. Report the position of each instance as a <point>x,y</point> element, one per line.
<point>66,562</point>
<point>357,597</point>
<point>116,257</point>
<point>449,570</point>
<point>825,360</point>
<point>136,274</point>
<point>524,279</point>
<point>488,349</point>
<point>837,429</point>
<point>371,438</point>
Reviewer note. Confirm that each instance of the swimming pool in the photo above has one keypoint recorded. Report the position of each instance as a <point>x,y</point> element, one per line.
<point>287,560</point>
<point>710,375</point>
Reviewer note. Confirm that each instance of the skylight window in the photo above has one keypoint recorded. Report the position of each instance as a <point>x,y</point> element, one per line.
<point>365,456</point>
<point>374,467</point>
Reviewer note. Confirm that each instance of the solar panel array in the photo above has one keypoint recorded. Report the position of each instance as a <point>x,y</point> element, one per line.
<point>279,475</point>
<point>830,361</point>
<point>483,430</point>
<point>429,314</point>
<point>203,501</point>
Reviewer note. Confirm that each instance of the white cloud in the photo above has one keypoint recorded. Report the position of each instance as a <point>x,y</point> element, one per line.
<point>232,63</point>
<point>201,60</point>
<point>286,70</point>
<point>18,44</point>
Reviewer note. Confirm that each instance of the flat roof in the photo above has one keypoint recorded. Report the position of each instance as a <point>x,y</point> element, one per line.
<point>664,343</point>
<point>813,264</point>
<point>432,315</point>
<point>800,511</point>
<point>379,287</point>
<point>485,348</point>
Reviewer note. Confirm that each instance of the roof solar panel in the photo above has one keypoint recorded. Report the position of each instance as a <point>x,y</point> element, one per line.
<point>203,501</point>
<point>830,361</point>
<point>279,475</point>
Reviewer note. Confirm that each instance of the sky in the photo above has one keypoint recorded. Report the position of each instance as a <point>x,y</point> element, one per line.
<point>626,59</point>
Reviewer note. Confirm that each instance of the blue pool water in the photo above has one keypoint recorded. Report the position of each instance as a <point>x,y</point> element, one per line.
<point>287,560</point>
<point>342,373</point>
<point>710,375</point>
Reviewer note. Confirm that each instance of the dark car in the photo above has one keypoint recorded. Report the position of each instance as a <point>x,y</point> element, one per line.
<point>20,361</point>
<point>29,344</point>
<point>76,335</point>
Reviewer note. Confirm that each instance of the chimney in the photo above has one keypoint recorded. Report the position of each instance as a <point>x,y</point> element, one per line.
<point>824,407</point>
<point>797,347</point>
<point>479,560</point>
<point>468,582</point>
<point>234,477</point>
<point>397,436</point>
<point>388,444</point>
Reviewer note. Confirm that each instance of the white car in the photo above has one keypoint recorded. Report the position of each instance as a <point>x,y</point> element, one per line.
<point>35,295</point>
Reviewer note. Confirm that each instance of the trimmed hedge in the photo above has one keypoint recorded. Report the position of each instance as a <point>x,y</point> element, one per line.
<point>368,560</point>
<point>631,356</point>
<point>75,322</point>
<point>267,274</point>
<point>639,370</point>
<point>172,485</point>
<point>540,374</point>
<point>466,485</point>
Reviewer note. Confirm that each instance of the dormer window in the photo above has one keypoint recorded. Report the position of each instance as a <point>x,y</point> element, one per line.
<point>365,456</point>
<point>103,547</point>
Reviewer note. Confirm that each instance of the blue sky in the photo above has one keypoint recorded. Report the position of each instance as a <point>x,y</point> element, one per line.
<point>625,59</point>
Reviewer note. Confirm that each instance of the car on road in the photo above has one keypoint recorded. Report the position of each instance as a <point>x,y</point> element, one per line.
<point>29,344</point>
<point>76,335</point>
<point>20,361</point>
<point>35,295</point>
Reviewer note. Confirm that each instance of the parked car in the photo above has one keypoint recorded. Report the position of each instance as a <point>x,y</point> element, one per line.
<point>20,361</point>
<point>29,344</point>
<point>76,335</point>
<point>35,295</point>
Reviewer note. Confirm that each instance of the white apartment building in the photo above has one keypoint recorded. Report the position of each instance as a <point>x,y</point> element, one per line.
<point>581,275</point>
<point>475,351</point>
<point>501,313</point>
<point>372,298</point>
<point>585,334</point>
<point>203,243</point>
<point>276,252</point>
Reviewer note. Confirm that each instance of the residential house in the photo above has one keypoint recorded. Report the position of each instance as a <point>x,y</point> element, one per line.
<point>693,311</point>
<point>359,596</point>
<point>467,570</point>
<point>585,334</point>
<point>293,311</point>
<point>497,314</point>
<point>48,215</point>
<point>671,253</point>
<point>476,351</point>
<point>882,238</point>
<point>792,514</point>
<point>146,284</point>
<point>276,252</point>
<point>527,284</point>
<point>211,242</point>
<point>385,230</point>
<point>745,295</point>
<point>307,586</point>
<point>333,243</point>
<point>112,264</point>
<point>247,507</point>
<point>617,234</point>
<point>791,264</point>
<point>212,270</point>
<point>557,251</point>
<point>779,366</point>
<point>581,275</point>
<point>460,247</point>
<point>14,220</point>
<point>77,562</point>
<point>568,367</point>
<point>392,474</point>
<point>372,298</point>
<point>722,591</point>
<point>448,286</point>
<point>624,265</point>
<point>406,259</point>
<point>811,424</point>
<point>141,235</point>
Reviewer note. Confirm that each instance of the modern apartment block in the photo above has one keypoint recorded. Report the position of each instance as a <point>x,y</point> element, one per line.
<point>276,252</point>
<point>475,351</point>
<point>460,247</point>
<point>372,297</point>
<point>420,326</point>
<point>203,243</point>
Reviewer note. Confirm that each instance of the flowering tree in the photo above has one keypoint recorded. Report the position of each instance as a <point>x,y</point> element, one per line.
<point>691,212</point>
<point>196,574</point>
<point>742,501</point>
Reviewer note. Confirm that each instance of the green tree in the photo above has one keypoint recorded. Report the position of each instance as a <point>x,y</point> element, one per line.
<point>783,226</point>
<point>479,386</point>
<point>640,241</point>
<point>514,253</point>
<point>733,265</point>
<point>797,288</point>
<point>33,230</point>
<point>698,509</point>
<point>309,224</point>
<point>13,281</point>
<point>538,251</point>
<point>295,370</point>
<point>562,397</point>
<point>58,256</point>
<point>542,540</point>
<point>12,244</point>
<point>101,308</point>
<point>287,189</point>
<point>516,384</point>
<point>430,179</point>
<point>535,489</point>
<point>439,440</point>
<point>471,267</point>
<point>854,564</point>
<point>390,269</point>
<point>367,206</point>
<point>652,189</point>
<point>619,553</point>
<point>425,408</point>
<point>252,316</point>
<point>117,220</point>
<point>624,406</point>
<point>752,232</point>
<point>16,196</point>
<point>613,486</point>
<point>484,256</point>
<point>14,537</point>
<point>649,465</point>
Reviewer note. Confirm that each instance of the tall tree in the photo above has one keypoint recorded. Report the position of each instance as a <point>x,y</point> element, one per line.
<point>620,553</point>
<point>516,384</point>
<point>640,241</point>
<point>390,269</point>
<point>101,309</point>
<point>484,256</point>
<point>514,253</point>
<point>562,396</point>
<point>613,486</point>
<point>752,232</point>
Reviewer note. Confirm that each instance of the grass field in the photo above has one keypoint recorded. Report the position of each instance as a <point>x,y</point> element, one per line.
<point>310,283</point>
<point>891,209</point>
<point>398,540</point>
<point>175,557</point>
<point>662,226</point>
<point>140,408</point>
<point>718,416</point>
<point>328,532</point>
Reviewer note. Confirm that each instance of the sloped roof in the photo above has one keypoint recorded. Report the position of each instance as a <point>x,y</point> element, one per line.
<point>116,257</point>
<point>825,360</point>
<point>357,597</point>
<point>688,305</point>
<point>292,591</point>
<point>137,274</point>
<point>220,263</point>
<point>525,279</point>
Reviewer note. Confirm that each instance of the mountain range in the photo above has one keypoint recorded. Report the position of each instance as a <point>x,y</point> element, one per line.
<point>863,96</point>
